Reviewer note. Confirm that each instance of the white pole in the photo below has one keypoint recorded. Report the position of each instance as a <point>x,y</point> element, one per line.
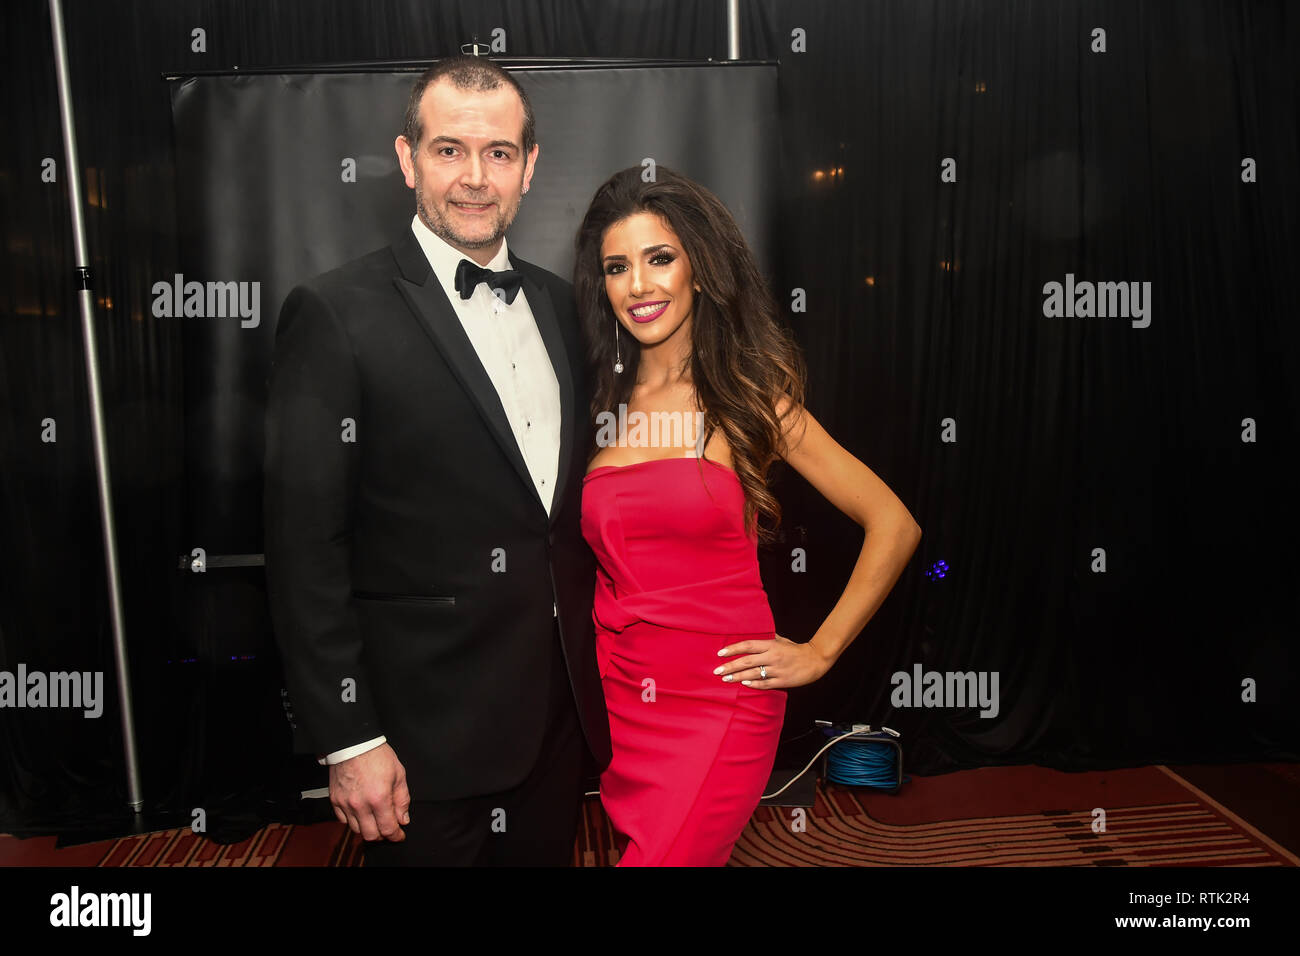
<point>85,294</point>
<point>733,29</point>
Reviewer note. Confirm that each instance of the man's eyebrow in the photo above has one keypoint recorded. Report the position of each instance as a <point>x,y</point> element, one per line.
<point>457,142</point>
<point>646,251</point>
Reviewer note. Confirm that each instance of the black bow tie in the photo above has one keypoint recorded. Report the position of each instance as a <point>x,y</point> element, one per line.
<point>468,276</point>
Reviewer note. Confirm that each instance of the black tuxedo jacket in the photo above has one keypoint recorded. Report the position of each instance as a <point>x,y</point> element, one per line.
<point>411,567</point>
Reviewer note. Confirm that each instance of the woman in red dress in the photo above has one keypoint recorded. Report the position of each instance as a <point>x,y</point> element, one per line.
<point>696,390</point>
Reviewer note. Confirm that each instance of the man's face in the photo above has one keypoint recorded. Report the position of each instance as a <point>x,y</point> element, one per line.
<point>470,170</point>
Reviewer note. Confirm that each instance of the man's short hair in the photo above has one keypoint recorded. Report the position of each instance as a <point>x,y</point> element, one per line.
<point>475,73</point>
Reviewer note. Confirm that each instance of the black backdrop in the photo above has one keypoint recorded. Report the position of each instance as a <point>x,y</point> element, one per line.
<point>924,315</point>
<point>288,175</point>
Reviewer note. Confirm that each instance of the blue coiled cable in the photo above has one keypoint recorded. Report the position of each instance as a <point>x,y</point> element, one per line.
<point>862,761</point>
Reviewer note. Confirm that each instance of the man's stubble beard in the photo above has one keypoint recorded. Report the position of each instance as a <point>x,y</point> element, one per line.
<point>444,230</point>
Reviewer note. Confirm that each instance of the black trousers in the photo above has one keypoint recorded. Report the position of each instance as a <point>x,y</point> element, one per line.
<point>532,824</point>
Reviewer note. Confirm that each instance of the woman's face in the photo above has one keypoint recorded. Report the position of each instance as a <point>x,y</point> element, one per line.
<point>648,278</point>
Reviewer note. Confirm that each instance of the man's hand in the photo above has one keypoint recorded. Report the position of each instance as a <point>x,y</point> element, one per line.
<point>368,793</point>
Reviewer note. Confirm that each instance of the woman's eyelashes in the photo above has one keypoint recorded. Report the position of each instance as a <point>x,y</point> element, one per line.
<point>662,259</point>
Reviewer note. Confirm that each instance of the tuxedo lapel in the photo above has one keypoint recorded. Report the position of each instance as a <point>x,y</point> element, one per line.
<point>543,309</point>
<point>424,294</point>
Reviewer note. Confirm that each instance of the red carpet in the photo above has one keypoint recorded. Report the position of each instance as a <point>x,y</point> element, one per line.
<point>995,816</point>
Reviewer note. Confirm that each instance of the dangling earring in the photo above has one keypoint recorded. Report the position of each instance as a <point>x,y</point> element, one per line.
<point>618,356</point>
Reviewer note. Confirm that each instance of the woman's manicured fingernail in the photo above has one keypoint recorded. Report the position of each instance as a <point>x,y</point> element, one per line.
<point>728,677</point>
<point>717,670</point>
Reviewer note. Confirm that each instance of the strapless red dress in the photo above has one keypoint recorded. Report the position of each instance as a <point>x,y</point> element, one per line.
<point>677,581</point>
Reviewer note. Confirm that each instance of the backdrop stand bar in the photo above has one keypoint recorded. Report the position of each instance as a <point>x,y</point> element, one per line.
<point>85,295</point>
<point>733,29</point>
<point>515,64</point>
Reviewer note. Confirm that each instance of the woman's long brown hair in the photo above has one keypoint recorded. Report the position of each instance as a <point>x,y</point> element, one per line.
<point>742,360</point>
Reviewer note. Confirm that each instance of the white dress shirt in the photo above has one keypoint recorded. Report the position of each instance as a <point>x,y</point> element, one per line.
<point>508,344</point>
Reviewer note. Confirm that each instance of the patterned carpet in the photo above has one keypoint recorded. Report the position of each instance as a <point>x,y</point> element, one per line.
<point>997,816</point>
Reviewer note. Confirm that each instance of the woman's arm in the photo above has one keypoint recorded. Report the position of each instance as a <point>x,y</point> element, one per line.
<point>890,540</point>
<point>891,536</point>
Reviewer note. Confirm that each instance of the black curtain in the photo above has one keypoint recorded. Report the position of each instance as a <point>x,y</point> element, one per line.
<point>1022,442</point>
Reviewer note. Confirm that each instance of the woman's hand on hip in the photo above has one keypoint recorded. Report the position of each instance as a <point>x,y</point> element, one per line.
<point>785,663</point>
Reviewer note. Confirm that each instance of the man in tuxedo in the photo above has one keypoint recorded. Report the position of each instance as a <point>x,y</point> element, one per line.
<point>426,445</point>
